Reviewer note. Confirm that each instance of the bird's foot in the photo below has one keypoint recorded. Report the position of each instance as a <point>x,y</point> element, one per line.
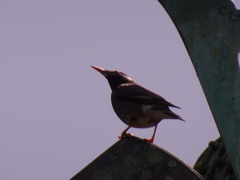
<point>125,135</point>
<point>148,140</point>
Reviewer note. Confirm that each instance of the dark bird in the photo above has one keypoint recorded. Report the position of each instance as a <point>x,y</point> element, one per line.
<point>134,105</point>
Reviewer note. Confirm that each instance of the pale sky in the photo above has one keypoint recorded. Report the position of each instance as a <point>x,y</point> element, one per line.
<point>55,110</point>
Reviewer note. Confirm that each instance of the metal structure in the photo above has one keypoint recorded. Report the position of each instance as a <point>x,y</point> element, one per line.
<point>210,30</point>
<point>132,158</point>
<point>214,163</point>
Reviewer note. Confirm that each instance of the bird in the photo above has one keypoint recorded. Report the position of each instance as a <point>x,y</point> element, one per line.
<point>135,105</point>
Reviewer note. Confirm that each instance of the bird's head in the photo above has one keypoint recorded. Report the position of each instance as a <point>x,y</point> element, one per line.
<point>115,78</point>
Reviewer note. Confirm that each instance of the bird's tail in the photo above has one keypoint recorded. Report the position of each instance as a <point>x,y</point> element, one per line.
<point>179,117</point>
<point>175,116</point>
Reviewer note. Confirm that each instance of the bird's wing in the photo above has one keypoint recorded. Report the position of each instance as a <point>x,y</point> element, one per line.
<point>136,93</point>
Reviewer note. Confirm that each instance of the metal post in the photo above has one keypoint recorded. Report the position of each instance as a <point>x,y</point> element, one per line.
<point>210,30</point>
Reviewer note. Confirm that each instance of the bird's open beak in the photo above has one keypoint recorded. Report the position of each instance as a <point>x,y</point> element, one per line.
<point>98,69</point>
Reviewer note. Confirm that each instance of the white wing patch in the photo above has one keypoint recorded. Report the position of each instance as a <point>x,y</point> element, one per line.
<point>155,114</point>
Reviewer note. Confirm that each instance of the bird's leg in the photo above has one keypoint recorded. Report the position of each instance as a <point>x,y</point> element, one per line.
<point>152,138</point>
<point>124,133</point>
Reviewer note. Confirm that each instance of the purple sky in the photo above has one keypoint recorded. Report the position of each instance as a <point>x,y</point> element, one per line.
<point>55,111</point>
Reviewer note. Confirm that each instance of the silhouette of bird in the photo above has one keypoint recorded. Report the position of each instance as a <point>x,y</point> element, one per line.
<point>136,106</point>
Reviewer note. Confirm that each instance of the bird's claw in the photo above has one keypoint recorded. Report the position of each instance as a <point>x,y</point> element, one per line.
<point>125,135</point>
<point>148,140</point>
